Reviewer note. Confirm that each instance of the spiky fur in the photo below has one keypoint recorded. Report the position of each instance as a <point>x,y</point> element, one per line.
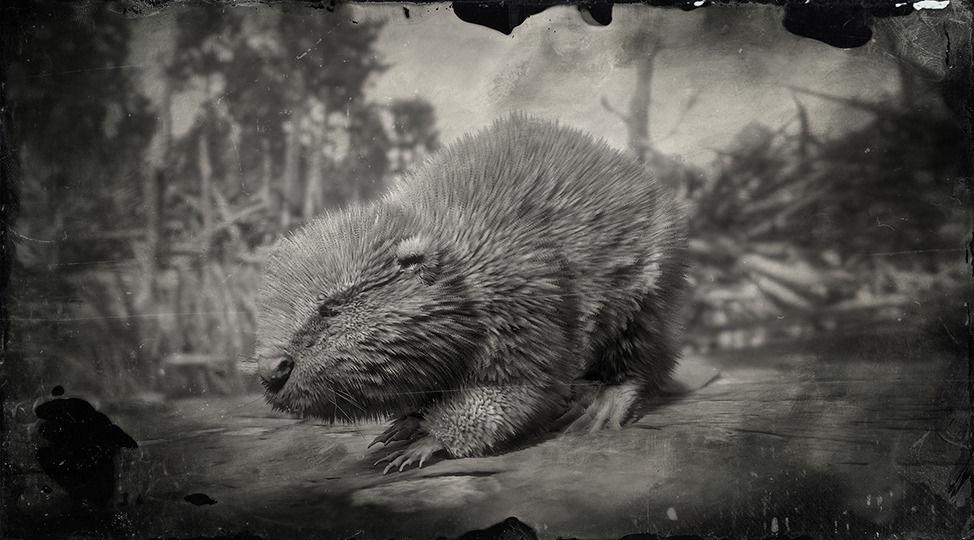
<point>545,256</point>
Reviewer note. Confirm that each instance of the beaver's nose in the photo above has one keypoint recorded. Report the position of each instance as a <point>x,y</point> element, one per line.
<point>275,370</point>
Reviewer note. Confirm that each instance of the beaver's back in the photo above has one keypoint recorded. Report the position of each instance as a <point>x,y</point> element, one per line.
<point>525,183</point>
<point>526,188</point>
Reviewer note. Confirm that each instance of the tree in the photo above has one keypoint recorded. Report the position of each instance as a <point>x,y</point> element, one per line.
<point>283,131</point>
<point>78,120</point>
<point>413,132</point>
<point>283,81</point>
<point>78,127</point>
<point>782,223</point>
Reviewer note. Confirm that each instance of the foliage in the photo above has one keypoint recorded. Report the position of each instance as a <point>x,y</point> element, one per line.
<point>413,131</point>
<point>85,137</point>
<point>79,128</point>
<point>284,122</point>
<point>283,132</point>
<point>790,223</point>
<point>164,255</point>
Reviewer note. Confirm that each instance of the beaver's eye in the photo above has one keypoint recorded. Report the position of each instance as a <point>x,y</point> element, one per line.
<point>413,259</point>
<point>325,311</point>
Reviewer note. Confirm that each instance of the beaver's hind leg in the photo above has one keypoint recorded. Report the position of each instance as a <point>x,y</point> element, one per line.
<point>609,410</point>
<point>636,363</point>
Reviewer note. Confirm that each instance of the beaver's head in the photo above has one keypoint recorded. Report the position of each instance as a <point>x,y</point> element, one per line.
<point>361,314</point>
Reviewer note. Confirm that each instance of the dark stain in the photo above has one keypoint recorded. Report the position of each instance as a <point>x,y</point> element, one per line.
<point>599,13</point>
<point>837,25</point>
<point>330,6</point>
<point>501,16</point>
<point>81,445</point>
<point>834,23</point>
<point>509,529</point>
<point>199,499</point>
<point>405,11</point>
<point>892,10</point>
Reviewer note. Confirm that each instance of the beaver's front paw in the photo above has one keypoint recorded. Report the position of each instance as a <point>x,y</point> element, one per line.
<point>404,428</point>
<point>418,452</point>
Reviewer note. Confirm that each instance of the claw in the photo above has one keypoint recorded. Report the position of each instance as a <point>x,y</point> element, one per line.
<point>387,458</point>
<point>417,452</point>
<point>402,428</point>
<point>398,461</point>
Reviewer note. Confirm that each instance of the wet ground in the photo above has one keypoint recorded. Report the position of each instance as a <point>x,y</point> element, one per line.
<point>843,437</point>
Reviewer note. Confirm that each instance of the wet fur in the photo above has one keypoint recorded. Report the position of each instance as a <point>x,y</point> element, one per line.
<point>514,262</point>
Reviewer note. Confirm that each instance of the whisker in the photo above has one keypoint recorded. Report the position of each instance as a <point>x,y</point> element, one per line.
<point>351,421</point>
<point>348,398</point>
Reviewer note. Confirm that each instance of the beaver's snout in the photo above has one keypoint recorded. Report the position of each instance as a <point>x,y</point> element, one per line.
<point>274,371</point>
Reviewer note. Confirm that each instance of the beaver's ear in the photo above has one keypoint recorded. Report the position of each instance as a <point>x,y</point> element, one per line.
<point>418,255</point>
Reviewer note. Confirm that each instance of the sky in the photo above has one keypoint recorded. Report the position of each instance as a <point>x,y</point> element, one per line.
<point>558,66</point>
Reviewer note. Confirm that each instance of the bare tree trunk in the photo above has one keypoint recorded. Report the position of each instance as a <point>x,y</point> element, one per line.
<point>313,179</point>
<point>357,189</point>
<point>152,183</point>
<point>639,121</point>
<point>206,179</point>
<point>150,249</point>
<point>206,166</point>
<point>291,155</point>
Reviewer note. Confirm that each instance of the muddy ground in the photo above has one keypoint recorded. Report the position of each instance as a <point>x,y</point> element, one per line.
<point>856,437</point>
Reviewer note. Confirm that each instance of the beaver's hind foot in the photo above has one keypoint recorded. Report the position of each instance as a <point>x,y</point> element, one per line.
<point>609,410</point>
<point>418,452</point>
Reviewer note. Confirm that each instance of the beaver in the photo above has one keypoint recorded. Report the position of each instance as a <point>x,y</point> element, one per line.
<point>467,301</point>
